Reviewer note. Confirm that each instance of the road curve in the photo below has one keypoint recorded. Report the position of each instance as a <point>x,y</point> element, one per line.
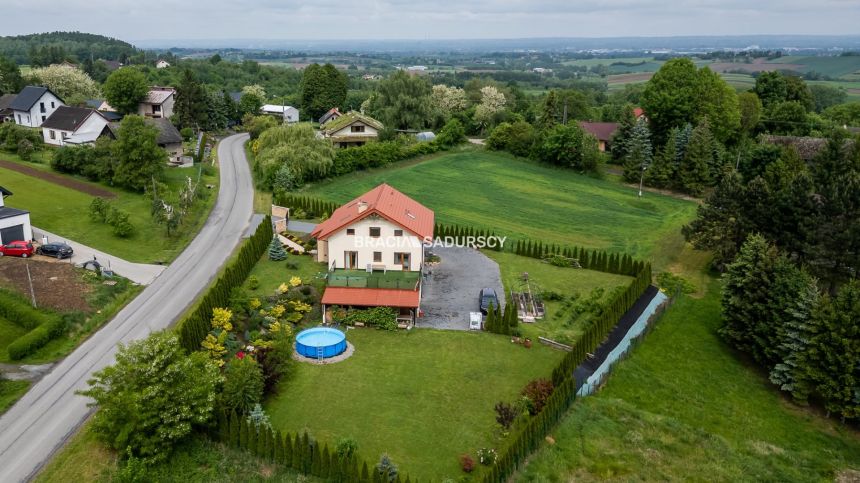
<point>41,421</point>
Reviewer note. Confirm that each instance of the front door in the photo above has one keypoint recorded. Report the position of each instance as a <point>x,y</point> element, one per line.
<point>403,260</point>
<point>350,259</point>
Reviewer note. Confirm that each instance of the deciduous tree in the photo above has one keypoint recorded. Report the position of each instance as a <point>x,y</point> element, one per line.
<point>124,89</point>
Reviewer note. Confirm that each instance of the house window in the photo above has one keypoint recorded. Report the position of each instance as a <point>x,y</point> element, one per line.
<point>19,119</point>
<point>398,232</point>
<point>375,232</point>
<point>53,134</point>
<point>377,257</point>
<point>43,118</point>
<point>42,107</point>
<point>65,135</point>
<point>356,128</point>
<point>52,104</point>
<point>156,108</point>
<point>350,231</point>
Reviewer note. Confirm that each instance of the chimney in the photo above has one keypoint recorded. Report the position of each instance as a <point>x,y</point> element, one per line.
<point>362,206</point>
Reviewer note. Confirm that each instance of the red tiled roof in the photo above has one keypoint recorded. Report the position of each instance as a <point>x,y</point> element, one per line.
<point>386,202</point>
<point>638,112</point>
<point>603,131</point>
<point>370,297</point>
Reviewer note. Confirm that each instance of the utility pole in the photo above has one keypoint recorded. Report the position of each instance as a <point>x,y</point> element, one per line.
<point>30,279</point>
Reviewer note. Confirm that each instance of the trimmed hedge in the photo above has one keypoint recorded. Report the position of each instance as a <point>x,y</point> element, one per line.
<point>36,338</point>
<point>299,452</point>
<point>16,310</point>
<point>194,328</point>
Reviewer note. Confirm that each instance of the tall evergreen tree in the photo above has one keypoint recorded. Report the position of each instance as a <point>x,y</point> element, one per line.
<point>694,172</point>
<point>639,153</point>
<point>191,101</point>
<point>550,115</point>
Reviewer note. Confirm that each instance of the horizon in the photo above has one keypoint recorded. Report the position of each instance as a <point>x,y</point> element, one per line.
<point>463,20</point>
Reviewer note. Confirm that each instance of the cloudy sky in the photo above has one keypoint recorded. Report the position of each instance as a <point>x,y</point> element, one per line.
<point>411,19</point>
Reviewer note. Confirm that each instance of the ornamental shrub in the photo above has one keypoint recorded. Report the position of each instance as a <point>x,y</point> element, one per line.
<point>537,392</point>
<point>243,385</point>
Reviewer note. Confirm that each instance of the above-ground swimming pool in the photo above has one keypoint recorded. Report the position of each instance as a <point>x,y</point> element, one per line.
<point>320,342</point>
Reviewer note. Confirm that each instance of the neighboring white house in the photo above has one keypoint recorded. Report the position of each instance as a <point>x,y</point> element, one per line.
<point>14,223</point>
<point>158,103</point>
<point>73,125</point>
<point>351,129</point>
<point>330,115</point>
<point>162,64</point>
<point>288,113</point>
<point>374,248</point>
<point>34,105</point>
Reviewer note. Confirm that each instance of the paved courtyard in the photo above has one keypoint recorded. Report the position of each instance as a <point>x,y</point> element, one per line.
<point>450,292</point>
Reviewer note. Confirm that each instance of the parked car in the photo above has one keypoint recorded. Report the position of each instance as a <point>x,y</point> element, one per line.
<point>487,297</point>
<point>19,248</point>
<point>57,250</point>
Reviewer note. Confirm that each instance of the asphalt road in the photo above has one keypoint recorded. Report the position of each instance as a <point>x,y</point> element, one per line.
<point>51,412</point>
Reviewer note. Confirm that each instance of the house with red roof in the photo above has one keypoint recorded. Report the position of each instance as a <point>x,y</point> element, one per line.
<point>603,131</point>
<point>374,249</point>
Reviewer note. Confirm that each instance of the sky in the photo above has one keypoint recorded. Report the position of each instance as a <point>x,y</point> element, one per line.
<point>439,19</point>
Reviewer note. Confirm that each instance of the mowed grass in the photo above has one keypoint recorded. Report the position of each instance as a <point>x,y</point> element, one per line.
<point>523,199</point>
<point>65,212</point>
<point>686,407</point>
<point>543,277</point>
<point>424,396</point>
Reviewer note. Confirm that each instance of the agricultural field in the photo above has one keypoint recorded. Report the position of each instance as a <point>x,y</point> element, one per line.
<point>685,405</point>
<point>524,199</point>
<point>64,211</point>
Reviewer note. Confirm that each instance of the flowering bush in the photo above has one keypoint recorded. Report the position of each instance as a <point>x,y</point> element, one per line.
<point>277,311</point>
<point>214,346</point>
<point>300,307</point>
<point>221,319</point>
<point>254,303</point>
<point>283,288</point>
<point>487,456</point>
<point>295,281</point>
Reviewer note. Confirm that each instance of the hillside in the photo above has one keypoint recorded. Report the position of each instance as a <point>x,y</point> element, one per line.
<point>74,45</point>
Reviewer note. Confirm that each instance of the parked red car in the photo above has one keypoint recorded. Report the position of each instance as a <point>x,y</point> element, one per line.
<point>21,249</point>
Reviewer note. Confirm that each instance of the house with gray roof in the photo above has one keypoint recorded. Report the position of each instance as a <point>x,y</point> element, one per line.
<point>167,138</point>
<point>34,105</point>
<point>5,111</point>
<point>73,125</point>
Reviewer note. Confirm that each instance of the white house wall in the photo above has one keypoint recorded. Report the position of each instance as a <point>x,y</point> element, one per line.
<point>94,123</point>
<point>369,132</point>
<point>35,117</point>
<point>388,244</point>
<point>18,220</point>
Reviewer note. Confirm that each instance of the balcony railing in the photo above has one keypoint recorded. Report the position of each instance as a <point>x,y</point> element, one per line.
<point>361,279</point>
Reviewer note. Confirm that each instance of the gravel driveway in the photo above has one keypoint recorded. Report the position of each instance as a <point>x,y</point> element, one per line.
<point>451,291</point>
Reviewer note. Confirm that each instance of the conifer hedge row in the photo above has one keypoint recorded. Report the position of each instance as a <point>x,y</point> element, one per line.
<point>194,328</point>
<point>299,452</point>
<point>314,207</point>
<point>524,442</point>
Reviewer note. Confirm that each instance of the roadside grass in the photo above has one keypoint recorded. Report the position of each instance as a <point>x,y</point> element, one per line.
<point>85,458</point>
<point>11,391</point>
<point>65,212</point>
<point>523,199</point>
<point>558,324</point>
<point>424,396</point>
<point>684,406</point>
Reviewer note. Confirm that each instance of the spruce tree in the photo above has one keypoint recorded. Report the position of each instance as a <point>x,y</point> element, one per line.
<point>624,133</point>
<point>276,250</point>
<point>663,170</point>
<point>694,173</point>
<point>490,320</point>
<point>639,153</point>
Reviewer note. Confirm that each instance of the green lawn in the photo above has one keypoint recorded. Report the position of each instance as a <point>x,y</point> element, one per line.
<point>65,212</point>
<point>558,323</point>
<point>686,407</point>
<point>10,391</point>
<point>424,396</point>
<point>524,199</point>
